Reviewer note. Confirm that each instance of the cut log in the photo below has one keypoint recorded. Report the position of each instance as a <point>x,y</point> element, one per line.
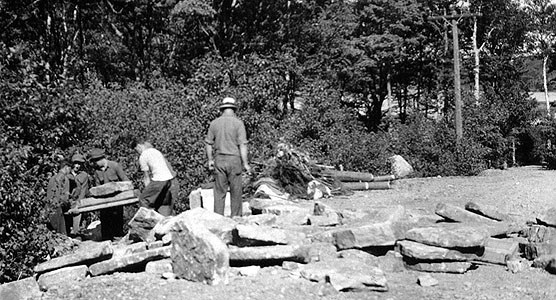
<point>106,205</point>
<point>361,186</point>
<point>349,176</point>
<point>97,201</point>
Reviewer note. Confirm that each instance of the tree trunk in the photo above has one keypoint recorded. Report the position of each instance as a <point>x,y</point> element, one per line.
<point>476,70</point>
<point>545,83</point>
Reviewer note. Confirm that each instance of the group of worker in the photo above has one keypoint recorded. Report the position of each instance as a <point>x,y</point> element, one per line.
<point>226,149</point>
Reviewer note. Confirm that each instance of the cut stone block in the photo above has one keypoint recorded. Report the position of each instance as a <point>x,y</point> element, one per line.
<point>449,236</point>
<point>22,289</point>
<point>283,209</point>
<point>261,219</point>
<point>197,254</point>
<point>488,212</point>
<point>548,218</point>
<point>346,275</point>
<point>123,250</point>
<point>249,271</point>
<point>259,254</point>
<point>86,202</point>
<point>392,262</point>
<point>62,276</point>
<point>142,224</point>
<point>87,253</point>
<point>132,261</point>
<point>263,235</point>
<point>159,266</point>
<point>317,252</point>
<point>111,188</point>
<point>156,244</point>
<point>195,199</point>
<point>328,219</point>
<point>497,250</point>
<point>258,204</point>
<point>219,225</point>
<point>420,251</point>
<point>441,267</point>
<point>461,215</point>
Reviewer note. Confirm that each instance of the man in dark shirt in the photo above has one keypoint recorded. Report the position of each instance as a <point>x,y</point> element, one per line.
<point>227,138</point>
<point>79,187</point>
<point>58,197</point>
<point>111,219</point>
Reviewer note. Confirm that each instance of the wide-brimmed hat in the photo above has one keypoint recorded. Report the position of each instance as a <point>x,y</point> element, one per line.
<point>96,154</point>
<point>78,158</point>
<point>228,102</point>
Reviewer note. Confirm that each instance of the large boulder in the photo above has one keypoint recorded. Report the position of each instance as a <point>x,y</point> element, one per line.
<point>197,254</point>
<point>219,225</point>
<point>399,167</point>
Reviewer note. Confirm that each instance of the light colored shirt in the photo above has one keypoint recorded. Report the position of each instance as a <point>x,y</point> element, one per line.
<point>225,134</point>
<point>152,160</point>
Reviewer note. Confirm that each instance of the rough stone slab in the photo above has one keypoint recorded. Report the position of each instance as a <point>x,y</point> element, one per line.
<point>111,188</point>
<point>392,262</point>
<point>198,254</point>
<point>317,252</point>
<point>461,215</point>
<point>450,236</point>
<point>159,266</point>
<point>488,212</point>
<point>266,253</point>
<point>534,250</point>
<point>283,209</point>
<point>86,202</point>
<point>543,261</point>
<point>142,224</point>
<point>346,275</point>
<point>328,219</point>
<point>254,235</point>
<point>441,267</point>
<point>62,276</point>
<point>129,261</point>
<point>548,218</point>
<point>261,219</point>
<point>292,218</point>
<point>195,199</point>
<point>420,251</point>
<point>87,253</point>
<point>22,289</point>
<point>497,250</point>
<point>249,271</point>
<point>399,167</point>
<point>155,244</point>
<point>258,204</point>
<point>379,234</point>
<point>426,280</point>
<point>116,203</point>
<point>123,250</point>
<point>219,225</point>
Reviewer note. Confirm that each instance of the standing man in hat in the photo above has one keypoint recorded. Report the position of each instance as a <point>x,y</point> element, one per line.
<point>227,138</point>
<point>160,181</point>
<point>79,183</point>
<point>58,197</point>
<point>111,219</point>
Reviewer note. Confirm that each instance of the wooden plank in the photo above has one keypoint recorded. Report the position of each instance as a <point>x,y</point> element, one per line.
<point>106,205</point>
<point>97,201</point>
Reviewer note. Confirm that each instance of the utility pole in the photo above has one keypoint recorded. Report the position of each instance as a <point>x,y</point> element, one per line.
<point>454,20</point>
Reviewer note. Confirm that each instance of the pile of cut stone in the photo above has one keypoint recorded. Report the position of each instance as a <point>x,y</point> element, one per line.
<point>349,249</point>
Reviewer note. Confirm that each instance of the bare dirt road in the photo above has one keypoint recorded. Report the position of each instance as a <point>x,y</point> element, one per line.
<point>523,192</point>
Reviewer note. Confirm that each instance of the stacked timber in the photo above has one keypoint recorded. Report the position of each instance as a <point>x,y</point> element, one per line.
<point>109,195</point>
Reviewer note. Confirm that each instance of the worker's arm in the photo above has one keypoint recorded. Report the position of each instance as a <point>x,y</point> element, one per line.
<point>243,153</point>
<point>146,178</point>
<point>208,148</point>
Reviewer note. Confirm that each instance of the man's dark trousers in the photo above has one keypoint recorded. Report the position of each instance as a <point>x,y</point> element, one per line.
<point>227,173</point>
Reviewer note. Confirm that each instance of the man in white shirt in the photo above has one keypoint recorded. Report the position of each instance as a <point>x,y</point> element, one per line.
<point>160,191</point>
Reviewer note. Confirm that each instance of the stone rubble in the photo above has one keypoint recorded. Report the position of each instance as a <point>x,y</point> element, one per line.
<point>351,251</point>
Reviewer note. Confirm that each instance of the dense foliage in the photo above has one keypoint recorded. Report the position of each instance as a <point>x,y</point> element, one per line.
<point>349,82</point>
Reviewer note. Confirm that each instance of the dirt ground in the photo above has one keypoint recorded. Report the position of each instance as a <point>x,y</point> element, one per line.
<point>523,192</point>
